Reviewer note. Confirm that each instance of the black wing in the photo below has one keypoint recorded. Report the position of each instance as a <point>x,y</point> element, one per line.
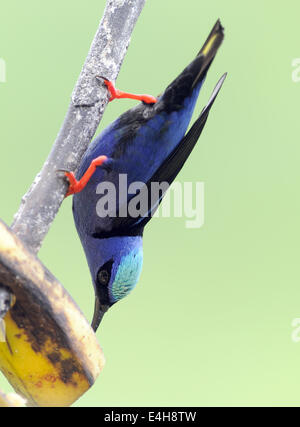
<point>167,172</point>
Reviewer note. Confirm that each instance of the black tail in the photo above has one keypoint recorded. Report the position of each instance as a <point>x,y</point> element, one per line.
<point>195,72</point>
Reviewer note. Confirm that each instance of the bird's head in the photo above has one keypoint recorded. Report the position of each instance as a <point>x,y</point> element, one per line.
<point>115,264</point>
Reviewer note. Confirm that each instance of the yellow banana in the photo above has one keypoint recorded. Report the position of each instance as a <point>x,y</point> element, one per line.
<point>49,352</point>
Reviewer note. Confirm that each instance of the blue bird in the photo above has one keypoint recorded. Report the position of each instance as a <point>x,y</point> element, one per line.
<point>145,145</point>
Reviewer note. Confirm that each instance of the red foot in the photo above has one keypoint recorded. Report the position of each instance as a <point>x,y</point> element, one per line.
<point>117,94</point>
<point>77,186</point>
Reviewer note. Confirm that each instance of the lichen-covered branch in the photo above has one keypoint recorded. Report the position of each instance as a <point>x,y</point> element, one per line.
<point>41,203</point>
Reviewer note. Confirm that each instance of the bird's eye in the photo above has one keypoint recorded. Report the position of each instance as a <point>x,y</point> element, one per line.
<point>103,276</point>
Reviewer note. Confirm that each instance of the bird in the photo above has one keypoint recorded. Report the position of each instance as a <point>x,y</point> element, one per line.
<point>147,144</point>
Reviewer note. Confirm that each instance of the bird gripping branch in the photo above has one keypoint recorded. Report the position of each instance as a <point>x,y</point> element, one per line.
<point>147,144</point>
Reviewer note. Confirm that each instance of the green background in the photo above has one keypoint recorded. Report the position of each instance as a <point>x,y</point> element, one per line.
<point>210,322</point>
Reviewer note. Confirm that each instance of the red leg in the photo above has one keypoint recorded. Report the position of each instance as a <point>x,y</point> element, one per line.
<point>117,94</point>
<point>77,186</point>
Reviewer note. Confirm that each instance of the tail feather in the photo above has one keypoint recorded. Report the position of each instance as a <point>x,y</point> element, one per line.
<point>209,49</point>
<point>195,72</point>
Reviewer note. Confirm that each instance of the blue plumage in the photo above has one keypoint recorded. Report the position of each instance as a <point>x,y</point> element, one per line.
<point>146,144</point>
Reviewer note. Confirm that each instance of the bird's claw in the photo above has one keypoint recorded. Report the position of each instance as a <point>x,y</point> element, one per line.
<point>77,186</point>
<point>118,94</point>
<point>74,186</point>
<point>73,183</point>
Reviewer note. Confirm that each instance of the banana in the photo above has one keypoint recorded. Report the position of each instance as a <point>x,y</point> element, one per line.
<point>48,351</point>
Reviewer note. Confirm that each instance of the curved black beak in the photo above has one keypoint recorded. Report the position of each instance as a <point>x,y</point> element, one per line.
<point>99,311</point>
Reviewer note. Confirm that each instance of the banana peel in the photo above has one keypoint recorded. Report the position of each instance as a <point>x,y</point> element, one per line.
<point>50,354</point>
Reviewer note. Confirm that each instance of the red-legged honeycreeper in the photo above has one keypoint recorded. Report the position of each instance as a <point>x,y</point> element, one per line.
<point>147,144</point>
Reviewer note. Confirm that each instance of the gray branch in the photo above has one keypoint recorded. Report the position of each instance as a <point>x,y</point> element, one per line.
<point>41,203</point>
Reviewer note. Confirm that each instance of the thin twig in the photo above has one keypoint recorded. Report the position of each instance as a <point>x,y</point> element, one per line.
<point>41,203</point>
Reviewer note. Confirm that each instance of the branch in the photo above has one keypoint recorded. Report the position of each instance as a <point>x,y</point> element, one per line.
<point>41,203</point>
